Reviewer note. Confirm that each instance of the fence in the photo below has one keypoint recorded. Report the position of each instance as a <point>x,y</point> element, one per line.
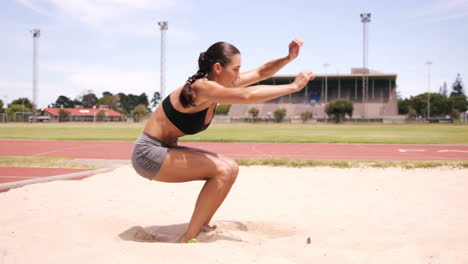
<point>15,117</point>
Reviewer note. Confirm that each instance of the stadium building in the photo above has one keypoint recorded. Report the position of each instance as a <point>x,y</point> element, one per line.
<point>380,102</point>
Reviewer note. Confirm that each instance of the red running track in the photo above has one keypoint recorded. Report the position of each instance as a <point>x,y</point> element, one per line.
<point>122,150</point>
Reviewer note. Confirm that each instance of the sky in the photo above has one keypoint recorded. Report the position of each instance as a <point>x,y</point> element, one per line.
<point>115,45</point>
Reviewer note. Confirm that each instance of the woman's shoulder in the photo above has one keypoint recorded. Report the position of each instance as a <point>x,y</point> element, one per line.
<point>204,83</point>
<point>201,81</point>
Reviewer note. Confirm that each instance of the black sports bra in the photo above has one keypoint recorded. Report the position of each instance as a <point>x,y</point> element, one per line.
<point>188,123</point>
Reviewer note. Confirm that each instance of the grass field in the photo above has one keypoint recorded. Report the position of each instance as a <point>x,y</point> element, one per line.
<point>307,133</point>
<point>61,162</point>
<point>44,162</point>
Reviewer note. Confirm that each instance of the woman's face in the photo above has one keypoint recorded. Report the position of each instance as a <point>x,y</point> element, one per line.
<point>228,75</point>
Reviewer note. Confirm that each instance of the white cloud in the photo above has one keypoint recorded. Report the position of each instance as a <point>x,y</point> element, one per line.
<point>442,10</point>
<point>413,87</point>
<point>35,5</point>
<point>100,79</point>
<point>11,90</point>
<point>79,78</point>
<point>96,12</point>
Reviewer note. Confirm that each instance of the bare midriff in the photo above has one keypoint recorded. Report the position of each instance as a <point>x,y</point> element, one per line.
<point>161,128</point>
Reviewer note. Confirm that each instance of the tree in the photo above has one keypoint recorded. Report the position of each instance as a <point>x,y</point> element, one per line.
<point>22,101</point>
<point>16,108</point>
<point>106,93</point>
<point>403,106</point>
<point>124,102</point>
<point>338,109</point>
<point>112,101</point>
<point>89,100</point>
<point>63,101</point>
<point>457,87</point>
<point>124,113</point>
<point>411,114</point>
<point>143,99</point>
<point>64,115</point>
<point>458,102</point>
<point>156,99</point>
<point>443,89</point>
<point>455,114</point>
<point>439,104</point>
<point>76,102</point>
<point>306,116</point>
<point>101,115</point>
<point>222,109</point>
<point>128,102</point>
<point>139,112</point>
<point>254,112</point>
<point>279,114</point>
<point>1,106</point>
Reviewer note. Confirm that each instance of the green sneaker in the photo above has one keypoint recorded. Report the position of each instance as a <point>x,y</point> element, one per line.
<point>193,240</point>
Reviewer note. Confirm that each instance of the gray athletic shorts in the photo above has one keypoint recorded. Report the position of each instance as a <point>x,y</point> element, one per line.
<point>148,155</point>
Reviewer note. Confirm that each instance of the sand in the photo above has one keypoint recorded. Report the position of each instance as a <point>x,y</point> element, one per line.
<point>272,215</point>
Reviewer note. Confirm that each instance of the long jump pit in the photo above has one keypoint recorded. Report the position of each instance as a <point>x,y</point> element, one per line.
<point>271,215</point>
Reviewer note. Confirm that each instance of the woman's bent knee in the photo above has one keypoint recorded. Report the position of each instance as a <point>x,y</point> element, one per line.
<point>224,173</point>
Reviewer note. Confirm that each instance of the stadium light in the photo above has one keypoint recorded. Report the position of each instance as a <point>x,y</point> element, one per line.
<point>365,18</point>
<point>163,25</point>
<point>428,63</point>
<point>36,34</point>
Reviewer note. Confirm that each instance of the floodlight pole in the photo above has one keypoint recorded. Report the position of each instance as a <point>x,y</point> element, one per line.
<point>365,18</point>
<point>428,63</point>
<point>163,25</point>
<point>36,34</point>
<point>326,82</point>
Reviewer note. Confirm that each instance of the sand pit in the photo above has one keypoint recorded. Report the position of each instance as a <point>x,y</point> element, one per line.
<point>361,215</point>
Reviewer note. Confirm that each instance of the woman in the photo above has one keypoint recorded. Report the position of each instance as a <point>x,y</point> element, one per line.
<point>189,110</point>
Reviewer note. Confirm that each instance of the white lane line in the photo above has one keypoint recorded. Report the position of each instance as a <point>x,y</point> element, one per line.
<point>408,150</point>
<point>453,150</point>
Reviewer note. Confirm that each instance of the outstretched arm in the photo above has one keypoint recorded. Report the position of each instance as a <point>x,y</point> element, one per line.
<point>270,68</point>
<point>215,92</point>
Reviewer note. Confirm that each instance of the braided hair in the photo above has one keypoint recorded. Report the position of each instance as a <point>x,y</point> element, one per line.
<point>220,52</point>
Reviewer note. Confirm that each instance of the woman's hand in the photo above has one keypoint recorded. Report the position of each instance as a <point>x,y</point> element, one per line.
<point>302,79</point>
<point>294,48</point>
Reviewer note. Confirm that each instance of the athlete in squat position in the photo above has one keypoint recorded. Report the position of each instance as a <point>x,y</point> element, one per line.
<point>189,110</point>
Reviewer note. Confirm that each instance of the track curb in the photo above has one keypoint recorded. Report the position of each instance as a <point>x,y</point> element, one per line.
<point>69,176</point>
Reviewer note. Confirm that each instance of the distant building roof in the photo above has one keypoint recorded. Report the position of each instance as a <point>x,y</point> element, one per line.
<point>355,72</point>
<point>82,111</point>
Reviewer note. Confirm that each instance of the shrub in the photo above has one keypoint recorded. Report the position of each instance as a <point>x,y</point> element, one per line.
<point>139,112</point>
<point>306,116</point>
<point>455,115</point>
<point>222,109</point>
<point>412,114</point>
<point>101,115</point>
<point>338,109</point>
<point>64,115</point>
<point>280,113</point>
<point>254,112</point>
<point>15,108</point>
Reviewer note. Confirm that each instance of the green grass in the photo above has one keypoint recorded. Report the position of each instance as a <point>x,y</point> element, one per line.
<point>300,163</point>
<point>293,133</point>
<point>43,162</point>
<point>56,162</point>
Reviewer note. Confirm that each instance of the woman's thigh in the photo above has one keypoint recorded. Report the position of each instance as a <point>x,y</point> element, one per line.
<point>229,161</point>
<point>185,164</point>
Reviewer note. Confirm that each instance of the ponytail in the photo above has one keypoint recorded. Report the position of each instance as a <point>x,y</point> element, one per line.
<point>186,96</point>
